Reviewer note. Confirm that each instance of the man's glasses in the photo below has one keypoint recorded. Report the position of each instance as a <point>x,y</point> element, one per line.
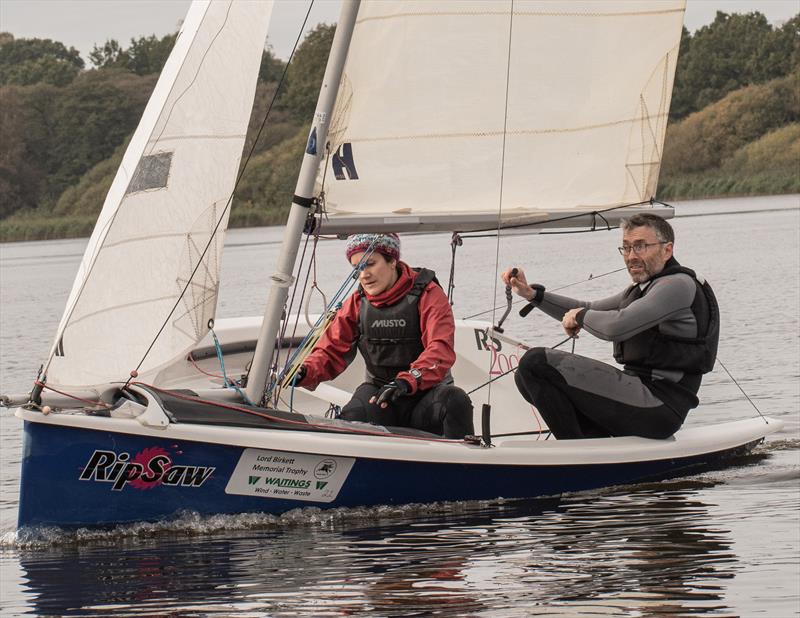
<point>638,247</point>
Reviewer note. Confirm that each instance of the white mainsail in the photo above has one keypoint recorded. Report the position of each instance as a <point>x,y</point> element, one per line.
<point>466,114</point>
<point>168,197</point>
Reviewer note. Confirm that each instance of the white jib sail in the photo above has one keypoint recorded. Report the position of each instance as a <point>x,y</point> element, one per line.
<point>169,193</point>
<point>562,105</point>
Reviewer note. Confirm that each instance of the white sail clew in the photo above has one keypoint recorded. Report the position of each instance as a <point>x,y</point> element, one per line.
<point>560,106</point>
<point>169,193</point>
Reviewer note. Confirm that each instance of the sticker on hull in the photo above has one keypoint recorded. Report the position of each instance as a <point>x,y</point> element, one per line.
<point>148,468</point>
<point>289,476</point>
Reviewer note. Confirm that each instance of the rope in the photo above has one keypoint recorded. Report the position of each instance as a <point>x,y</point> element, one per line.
<point>227,382</point>
<point>455,243</point>
<point>75,397</point>
<point>194,364</point>
<point>314,285</point>
<point>310,426</point>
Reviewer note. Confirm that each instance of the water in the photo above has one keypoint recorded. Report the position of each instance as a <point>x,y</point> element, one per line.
<point>720,543</point>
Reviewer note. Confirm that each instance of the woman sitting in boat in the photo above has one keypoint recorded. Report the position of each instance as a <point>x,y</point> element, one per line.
<point>665,329</point>
<point>400,321</point>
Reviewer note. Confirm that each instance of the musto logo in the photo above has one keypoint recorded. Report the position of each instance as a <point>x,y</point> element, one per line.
<point>145,470</point>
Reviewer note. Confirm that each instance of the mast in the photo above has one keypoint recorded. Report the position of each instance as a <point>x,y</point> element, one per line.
<point>301,202</point>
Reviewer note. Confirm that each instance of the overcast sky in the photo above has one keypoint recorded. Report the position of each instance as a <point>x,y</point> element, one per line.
<point>84,23</point>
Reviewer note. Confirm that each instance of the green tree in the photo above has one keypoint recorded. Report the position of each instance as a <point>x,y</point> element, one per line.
<point>149,54</point>
<point>784,52</point>
<point>33,61</point>
<point>726,55</point>
<point>305,73</point>
<point>20,178</point>
<point>145,56</point>
<point>705,140</point>
<point>733,51</point>
<point>110,55</point>
<point>71,129</point>
<point>682,94</point>
<point>271,67</point>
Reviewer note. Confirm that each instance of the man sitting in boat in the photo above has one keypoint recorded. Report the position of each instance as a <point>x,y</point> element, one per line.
<point>401,322</point>
<point>665,329</point>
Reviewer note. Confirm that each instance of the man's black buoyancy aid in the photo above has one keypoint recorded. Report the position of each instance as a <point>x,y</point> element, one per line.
<point>652,349</point>
<point>390,337</point>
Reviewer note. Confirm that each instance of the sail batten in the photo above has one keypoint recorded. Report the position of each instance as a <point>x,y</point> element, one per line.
<point>425,128</point>
<point>134,304</point>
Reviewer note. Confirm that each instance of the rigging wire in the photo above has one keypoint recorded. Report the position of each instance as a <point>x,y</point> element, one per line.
<point>502,186</point>
<point>522,300</point>
<point>323,322</point>
<point>513,369</point>
<point>221,218</point>
<point>316,229</point>
<point>287,311</point>
<point>293,363</point>
<point>742,390</point>
<point>593,228</point>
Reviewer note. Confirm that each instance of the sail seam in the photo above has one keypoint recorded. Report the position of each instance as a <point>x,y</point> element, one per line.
<point>193,80</point>
<point>510,132</point>
<point>115,307</point>
<point>149,237</point>
<point>414,14</point>
<point>172,138</point>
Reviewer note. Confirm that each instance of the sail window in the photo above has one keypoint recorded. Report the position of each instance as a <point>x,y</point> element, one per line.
<point>151,173</point>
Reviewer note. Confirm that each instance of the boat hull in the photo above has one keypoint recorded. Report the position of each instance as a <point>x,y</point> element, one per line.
<point>73,476</point>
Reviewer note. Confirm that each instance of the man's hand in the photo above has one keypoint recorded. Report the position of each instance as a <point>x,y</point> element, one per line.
<point>570,324</point>
<point>518,283</point>
<point>390,393</point>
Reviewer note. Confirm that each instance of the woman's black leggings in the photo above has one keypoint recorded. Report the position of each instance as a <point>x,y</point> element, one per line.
<point>445,410</point>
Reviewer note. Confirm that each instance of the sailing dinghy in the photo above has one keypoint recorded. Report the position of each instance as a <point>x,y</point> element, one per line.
<point>472,116</point>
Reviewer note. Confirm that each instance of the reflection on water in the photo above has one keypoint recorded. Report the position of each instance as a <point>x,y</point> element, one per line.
<point>647,552</point>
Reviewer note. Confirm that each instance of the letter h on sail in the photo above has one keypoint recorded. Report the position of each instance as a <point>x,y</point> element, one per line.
<point>343,160</point>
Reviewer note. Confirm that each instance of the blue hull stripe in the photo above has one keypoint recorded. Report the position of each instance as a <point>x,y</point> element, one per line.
<point>55,457</point>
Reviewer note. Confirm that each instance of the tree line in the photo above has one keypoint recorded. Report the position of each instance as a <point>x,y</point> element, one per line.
<point>64,126</point>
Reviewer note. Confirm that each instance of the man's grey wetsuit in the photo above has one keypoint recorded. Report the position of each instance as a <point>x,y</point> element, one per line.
<point>665,331</point>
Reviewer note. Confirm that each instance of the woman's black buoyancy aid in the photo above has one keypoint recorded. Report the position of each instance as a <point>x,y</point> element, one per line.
<point>652,349</point>
<point>390,337</point>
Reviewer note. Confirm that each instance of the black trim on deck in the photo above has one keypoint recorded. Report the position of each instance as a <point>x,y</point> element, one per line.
<point>201,412</point>
<point>240,347</point>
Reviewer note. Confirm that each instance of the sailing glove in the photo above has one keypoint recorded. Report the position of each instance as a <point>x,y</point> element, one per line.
<point>299,375</point>
<point>391,392</point>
